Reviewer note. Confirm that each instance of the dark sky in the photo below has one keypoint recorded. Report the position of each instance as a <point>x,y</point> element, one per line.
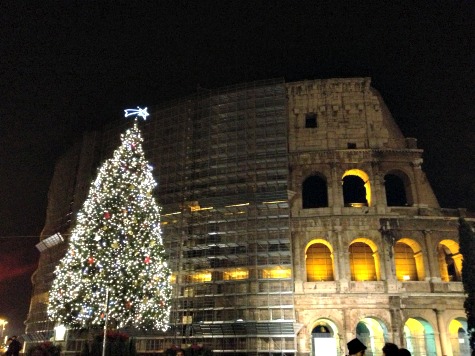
<point>70,66</point>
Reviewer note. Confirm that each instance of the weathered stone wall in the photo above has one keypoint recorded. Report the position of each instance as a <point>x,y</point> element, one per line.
<point>356,131</point>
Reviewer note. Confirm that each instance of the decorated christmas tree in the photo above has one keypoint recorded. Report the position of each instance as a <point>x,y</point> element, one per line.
<point>115,267</point>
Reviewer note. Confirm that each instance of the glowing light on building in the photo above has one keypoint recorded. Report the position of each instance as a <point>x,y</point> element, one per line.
<point>235,274</point>
<point>276,273</point>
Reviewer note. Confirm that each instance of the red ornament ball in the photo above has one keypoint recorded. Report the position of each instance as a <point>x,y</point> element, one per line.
<point>147,260</point>
<point>90,260</point>
<point>107,215</point>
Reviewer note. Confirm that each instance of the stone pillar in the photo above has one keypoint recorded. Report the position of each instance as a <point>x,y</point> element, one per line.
<point>342,258</point>
<point>396,320</point>
<point>377,192</point>
<point>388,241</point>
<point>337,192</point>
<point>380,191</point>
<point>434,274</point>
<point>388,259</point>
<point>341,252</point>
<point>348,331</point>
<point>336,255</point>
<point>304,343</point>
<point>416,169</point>
<point>444,343</point>
<point>299,264</point>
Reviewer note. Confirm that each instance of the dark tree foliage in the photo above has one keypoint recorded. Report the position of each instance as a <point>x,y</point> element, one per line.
<point>117,344</point>
<point>467,249</point>
<point>46,348</point>
<point>85,350</point>
<point>193,350</point>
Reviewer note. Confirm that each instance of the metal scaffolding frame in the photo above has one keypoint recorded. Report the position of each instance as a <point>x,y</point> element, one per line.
<point>221,161</point>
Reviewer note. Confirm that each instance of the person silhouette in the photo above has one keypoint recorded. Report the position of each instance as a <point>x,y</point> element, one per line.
<point>390,349</point>
<point>356,348</point>
<point>14,347</point>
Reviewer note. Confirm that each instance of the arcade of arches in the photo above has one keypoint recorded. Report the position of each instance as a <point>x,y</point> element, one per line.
<point>357,189</point>
<point>419,336</point>
<point>365,265</point>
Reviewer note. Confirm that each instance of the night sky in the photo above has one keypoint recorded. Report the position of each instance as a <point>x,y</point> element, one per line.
<point>71,66</point>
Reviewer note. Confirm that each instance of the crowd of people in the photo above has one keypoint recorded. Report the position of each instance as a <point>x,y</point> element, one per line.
<point>357,348</point>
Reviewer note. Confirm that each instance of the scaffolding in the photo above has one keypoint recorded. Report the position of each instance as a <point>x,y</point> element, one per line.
<point>221,162</point>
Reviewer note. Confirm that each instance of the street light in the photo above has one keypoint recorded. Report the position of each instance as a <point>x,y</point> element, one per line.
<point>3,322</point>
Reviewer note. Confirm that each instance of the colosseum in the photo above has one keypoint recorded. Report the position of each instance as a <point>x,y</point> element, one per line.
<point>296,217</point>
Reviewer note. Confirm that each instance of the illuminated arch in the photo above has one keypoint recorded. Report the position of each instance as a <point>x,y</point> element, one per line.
<point>364,260</point>
<point>329,324</point>
<point>450,261</point>
<point>321,241</point>
<point>409,260</point>
<point>319,261</point>
<point>459,338</point>
<point>325,339</point>
<point>365,183</point>
<point>419,337</point>
<point>373,333</point>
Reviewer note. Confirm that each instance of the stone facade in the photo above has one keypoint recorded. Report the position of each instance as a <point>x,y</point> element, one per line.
<point>349,113</point>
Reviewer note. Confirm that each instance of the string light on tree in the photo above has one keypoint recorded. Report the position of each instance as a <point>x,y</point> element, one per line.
<point>116,246</point>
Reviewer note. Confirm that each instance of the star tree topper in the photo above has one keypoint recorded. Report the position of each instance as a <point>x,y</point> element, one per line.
<point>138,112</point>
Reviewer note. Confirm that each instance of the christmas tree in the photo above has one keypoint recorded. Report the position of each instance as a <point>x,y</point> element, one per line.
<point>115,267</point>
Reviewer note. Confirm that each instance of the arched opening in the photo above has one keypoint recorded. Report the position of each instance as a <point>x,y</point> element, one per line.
<point>356,188</point>
<point>419,337</point>
<point>408,259</point>
<point>324,338</point>
<point>450,261</point>
<point>314,192</point>
<point>373,334</point>
<point>319,261</point>
<point>398,189</point>
<point>459,339</point>
<point>364,260</point>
